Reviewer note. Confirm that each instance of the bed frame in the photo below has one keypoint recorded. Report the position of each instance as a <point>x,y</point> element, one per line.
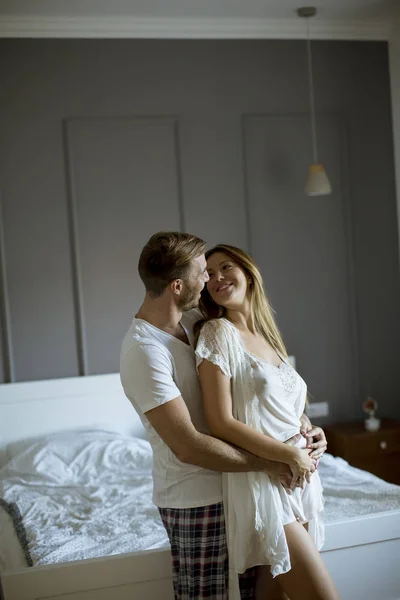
<point>361,553</point>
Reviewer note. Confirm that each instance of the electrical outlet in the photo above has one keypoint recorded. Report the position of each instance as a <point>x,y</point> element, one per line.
<point>317,409</point>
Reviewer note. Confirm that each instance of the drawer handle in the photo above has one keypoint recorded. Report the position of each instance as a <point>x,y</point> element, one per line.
<point>383,445</point>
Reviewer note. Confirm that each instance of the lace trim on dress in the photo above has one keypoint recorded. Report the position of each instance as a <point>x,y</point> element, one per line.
<point>205,354</point>
<point>211,346</point>
<point>288,378</point>
<point>285,371</point>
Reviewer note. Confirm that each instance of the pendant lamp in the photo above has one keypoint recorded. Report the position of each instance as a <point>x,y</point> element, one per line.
<point>317,183</point>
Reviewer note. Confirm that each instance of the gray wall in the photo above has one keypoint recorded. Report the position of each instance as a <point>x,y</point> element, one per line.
<point>104,142</point>
<point>394,53</point>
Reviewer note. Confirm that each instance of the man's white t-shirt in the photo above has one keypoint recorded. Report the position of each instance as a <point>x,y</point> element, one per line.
<point>156,367</point>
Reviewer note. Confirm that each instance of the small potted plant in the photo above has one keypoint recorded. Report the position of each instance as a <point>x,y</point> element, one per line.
<point>370,407</point>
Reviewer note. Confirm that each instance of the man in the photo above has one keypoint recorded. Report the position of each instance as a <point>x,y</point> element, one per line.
<point>158,373</point>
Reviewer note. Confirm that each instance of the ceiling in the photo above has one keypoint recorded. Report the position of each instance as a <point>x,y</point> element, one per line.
<point>44,14</point>
<point>252,9</point>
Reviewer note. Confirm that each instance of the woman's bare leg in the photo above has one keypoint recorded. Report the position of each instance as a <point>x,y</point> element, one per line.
<point>267,588</point>
<point>309,576</point>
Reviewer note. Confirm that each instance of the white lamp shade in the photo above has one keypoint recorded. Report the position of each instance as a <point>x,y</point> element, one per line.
<point>318,183</point>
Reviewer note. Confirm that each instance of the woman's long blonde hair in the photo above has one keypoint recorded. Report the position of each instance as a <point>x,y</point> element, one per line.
<point>262,311</point>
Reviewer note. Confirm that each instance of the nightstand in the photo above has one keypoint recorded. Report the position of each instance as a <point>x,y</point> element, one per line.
<point>374,451</point>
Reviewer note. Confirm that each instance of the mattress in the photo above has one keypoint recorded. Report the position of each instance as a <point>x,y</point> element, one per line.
<point>81,495</point>
<point>86,494</point>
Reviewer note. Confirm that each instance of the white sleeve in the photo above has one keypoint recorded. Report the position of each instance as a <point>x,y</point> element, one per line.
<point>213,345</point>
<point>147,377</point>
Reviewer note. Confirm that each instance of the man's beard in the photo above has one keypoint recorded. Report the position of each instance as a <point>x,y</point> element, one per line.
<point>188,300</point>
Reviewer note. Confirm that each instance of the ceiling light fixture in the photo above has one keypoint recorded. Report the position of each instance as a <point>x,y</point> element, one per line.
<point>317,180</point>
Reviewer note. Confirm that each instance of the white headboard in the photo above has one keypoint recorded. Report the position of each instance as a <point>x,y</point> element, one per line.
<point>37,408</point>
<point>34,408</point>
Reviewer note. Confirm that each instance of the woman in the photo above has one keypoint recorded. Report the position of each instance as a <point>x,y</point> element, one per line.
<point>253,399</point>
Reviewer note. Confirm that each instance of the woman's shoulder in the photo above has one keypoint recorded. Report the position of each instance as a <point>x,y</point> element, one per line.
<point>219,328</point>
<point>219,324</point>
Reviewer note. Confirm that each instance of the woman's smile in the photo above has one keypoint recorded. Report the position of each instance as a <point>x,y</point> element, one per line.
<point>223,287</point>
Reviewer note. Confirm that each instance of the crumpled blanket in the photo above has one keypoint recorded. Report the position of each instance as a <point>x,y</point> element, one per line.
<point>82,495</point>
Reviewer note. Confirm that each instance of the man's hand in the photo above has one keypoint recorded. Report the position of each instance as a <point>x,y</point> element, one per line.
<point>282,472</point>
<point>305,424</point>
<point>316,441</point>
<point>315,436</point>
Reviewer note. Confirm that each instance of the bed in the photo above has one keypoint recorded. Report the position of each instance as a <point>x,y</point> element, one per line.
<point>76,518</point>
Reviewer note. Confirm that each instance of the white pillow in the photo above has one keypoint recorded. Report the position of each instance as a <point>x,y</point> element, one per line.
<point>60,437</point>
<point>77,457</point>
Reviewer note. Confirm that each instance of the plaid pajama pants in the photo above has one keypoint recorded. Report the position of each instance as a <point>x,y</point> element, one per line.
<point>199,554</point>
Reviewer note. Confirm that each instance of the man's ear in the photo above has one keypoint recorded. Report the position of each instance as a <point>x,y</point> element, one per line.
<point>176,286</point>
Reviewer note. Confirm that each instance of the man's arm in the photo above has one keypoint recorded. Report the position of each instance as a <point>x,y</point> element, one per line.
<point>146,375</point>
<point>173,424</point>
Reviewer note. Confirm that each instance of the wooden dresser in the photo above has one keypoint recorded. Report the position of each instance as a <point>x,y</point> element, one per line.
<point>374,451</point>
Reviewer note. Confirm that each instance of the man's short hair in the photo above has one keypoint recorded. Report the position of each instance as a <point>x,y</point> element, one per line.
<point>167,256</point>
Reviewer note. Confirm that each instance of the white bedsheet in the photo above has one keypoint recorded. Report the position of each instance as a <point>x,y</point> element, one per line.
<point>11,552</point>
<point>351,492</point>
<point>83,495</point>
<point>88,494</point>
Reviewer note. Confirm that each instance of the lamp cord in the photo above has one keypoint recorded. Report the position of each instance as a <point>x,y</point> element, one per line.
<point>311,92</point>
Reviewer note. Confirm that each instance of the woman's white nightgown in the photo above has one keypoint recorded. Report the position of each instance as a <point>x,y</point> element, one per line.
<point>271,400</point>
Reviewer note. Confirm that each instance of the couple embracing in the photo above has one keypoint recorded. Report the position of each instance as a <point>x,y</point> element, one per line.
<point>234,456</point>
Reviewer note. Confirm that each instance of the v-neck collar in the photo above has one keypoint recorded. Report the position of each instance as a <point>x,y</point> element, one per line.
<point>169,335</point>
